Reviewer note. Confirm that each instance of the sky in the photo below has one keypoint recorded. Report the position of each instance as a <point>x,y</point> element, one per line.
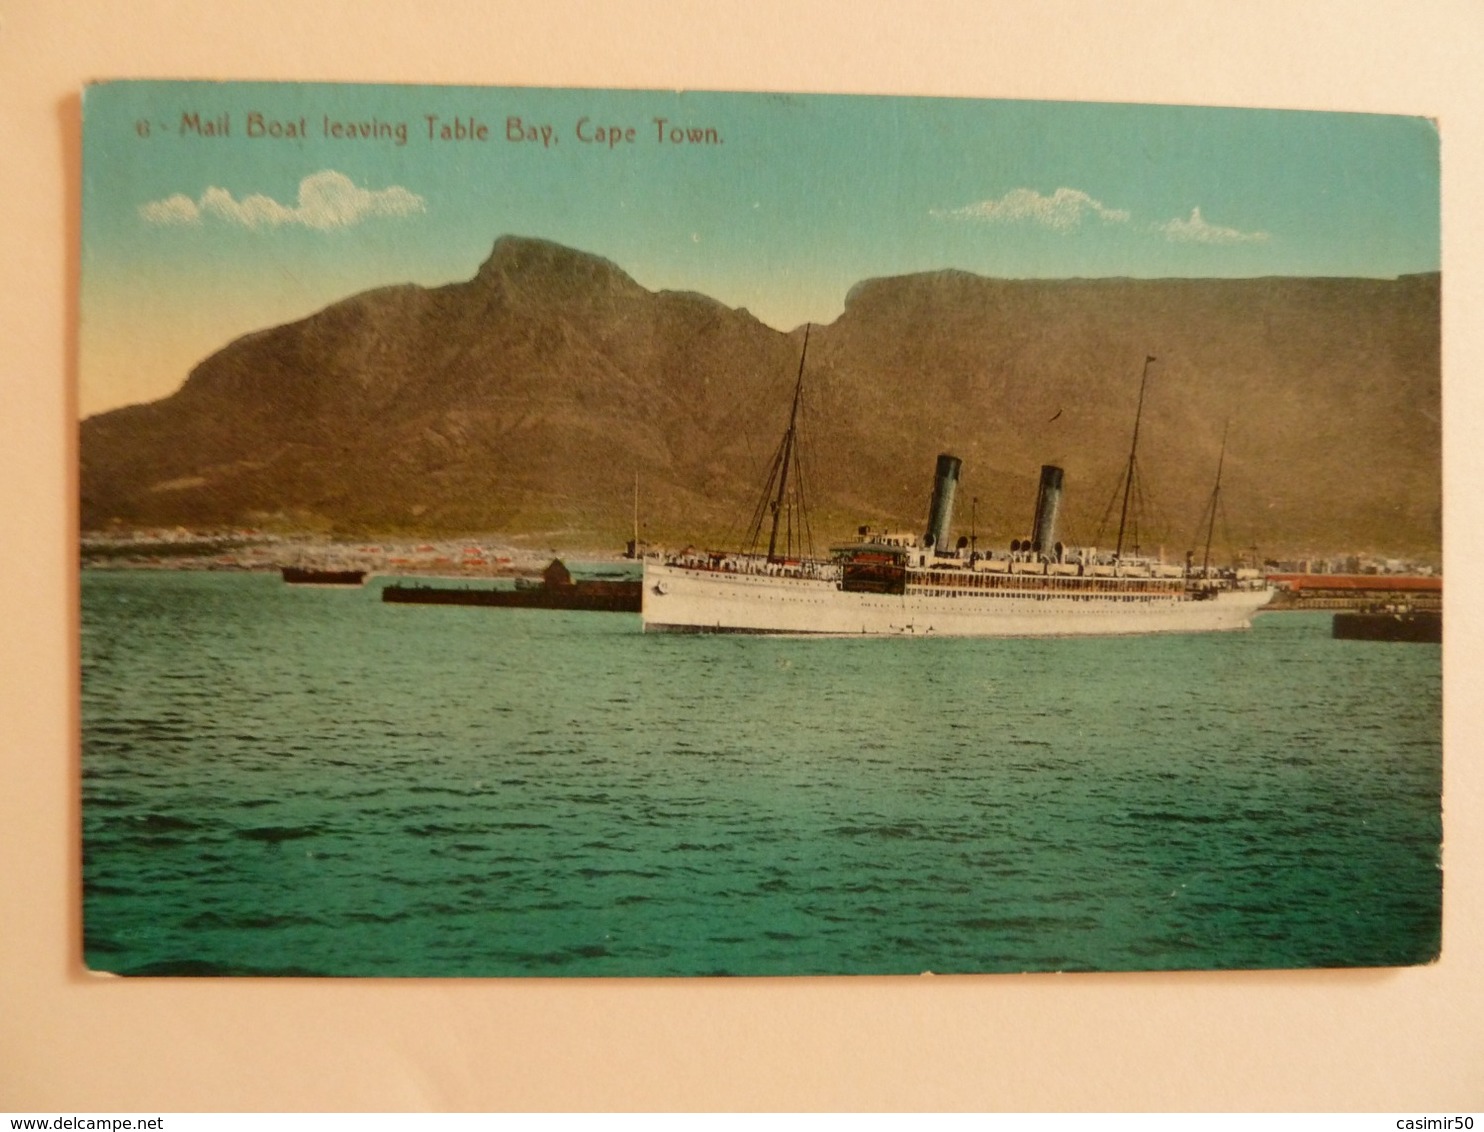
<point>211,210</point>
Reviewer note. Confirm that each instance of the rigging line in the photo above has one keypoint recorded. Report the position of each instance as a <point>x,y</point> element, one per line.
<point>732,523</point>
<point>1103,523</point>
<point>1070,522</point>
<point>788,447</point>
<point>799,505</point>
<point>1133,453</point>
<point>760,513</point>
<point>1215,499</point>
<point>806,461</point>
<point>804,491</point>
<point>1151,520</point>
<point>798,515</point>
<point>1226,533</point>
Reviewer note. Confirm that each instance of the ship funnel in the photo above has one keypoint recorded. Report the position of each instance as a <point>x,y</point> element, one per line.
<point>940,515</point>
<point>1048,503</point>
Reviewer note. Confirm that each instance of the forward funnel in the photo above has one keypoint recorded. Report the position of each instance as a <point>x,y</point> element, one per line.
<point>940,514</point>
<point>1048,503</point>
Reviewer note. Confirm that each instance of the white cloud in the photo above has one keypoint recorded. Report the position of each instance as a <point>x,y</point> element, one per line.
<point>1197,231</point>
<point>1066,209</point>
<point>327,199</point>
<point>1062,211</point>
<point>178,209</point>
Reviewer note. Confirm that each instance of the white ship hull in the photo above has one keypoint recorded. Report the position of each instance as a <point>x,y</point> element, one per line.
<point>686,599</point>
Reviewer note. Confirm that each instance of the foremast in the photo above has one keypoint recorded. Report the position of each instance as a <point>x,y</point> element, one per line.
<point>778,502</point>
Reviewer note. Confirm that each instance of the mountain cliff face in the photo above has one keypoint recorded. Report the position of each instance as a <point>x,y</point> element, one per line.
<point>524,400</point>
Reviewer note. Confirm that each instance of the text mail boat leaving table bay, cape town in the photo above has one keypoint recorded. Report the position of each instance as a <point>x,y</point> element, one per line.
<point>892,584</point>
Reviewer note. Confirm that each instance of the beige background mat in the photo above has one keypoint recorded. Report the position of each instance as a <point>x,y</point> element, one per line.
<point>1408,1040</point>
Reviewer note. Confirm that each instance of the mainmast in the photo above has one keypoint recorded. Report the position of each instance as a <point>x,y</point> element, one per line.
<point>1128,479</point>
<point>787,458</point>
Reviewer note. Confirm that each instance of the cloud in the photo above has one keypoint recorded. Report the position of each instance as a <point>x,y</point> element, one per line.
<point>1197,231</point>
<point>1066,209</point>
<point>1062,211</point>
<point>327,200</point>
<point>178,209</point>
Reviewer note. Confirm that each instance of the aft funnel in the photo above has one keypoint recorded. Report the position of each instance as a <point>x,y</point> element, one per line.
<point>940,514</point>
<point>1048,503</point>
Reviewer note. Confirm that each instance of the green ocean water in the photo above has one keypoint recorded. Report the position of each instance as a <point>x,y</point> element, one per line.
<point>298,780</point>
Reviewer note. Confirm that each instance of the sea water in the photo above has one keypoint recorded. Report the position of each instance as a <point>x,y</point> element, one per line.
<point>303,780</point>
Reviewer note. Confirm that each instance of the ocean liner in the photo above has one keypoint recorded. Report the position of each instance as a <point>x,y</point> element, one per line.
<point>899,584</point>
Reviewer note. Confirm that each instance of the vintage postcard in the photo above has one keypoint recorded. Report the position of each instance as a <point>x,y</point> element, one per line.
<point>553,532</point>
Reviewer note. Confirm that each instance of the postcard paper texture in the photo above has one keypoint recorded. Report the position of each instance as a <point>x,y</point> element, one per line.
<point>586,533</point>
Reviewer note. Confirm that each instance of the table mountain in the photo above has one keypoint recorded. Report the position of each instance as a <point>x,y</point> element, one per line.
<point>525,400</point>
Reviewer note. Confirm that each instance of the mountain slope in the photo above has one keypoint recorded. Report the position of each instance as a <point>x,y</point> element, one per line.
<point>524,400</point>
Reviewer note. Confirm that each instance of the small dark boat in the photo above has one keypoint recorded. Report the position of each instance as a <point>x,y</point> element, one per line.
<point>556,590</point>
<point>307,576</point>
<point>1394,624</point>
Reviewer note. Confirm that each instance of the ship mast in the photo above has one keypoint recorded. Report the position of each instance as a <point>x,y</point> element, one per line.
<point>787,458</point>
<point>1215,502</point>
<point>1128,479</point>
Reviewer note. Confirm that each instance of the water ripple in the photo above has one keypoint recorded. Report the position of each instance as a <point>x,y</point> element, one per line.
<point>302,783</point>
